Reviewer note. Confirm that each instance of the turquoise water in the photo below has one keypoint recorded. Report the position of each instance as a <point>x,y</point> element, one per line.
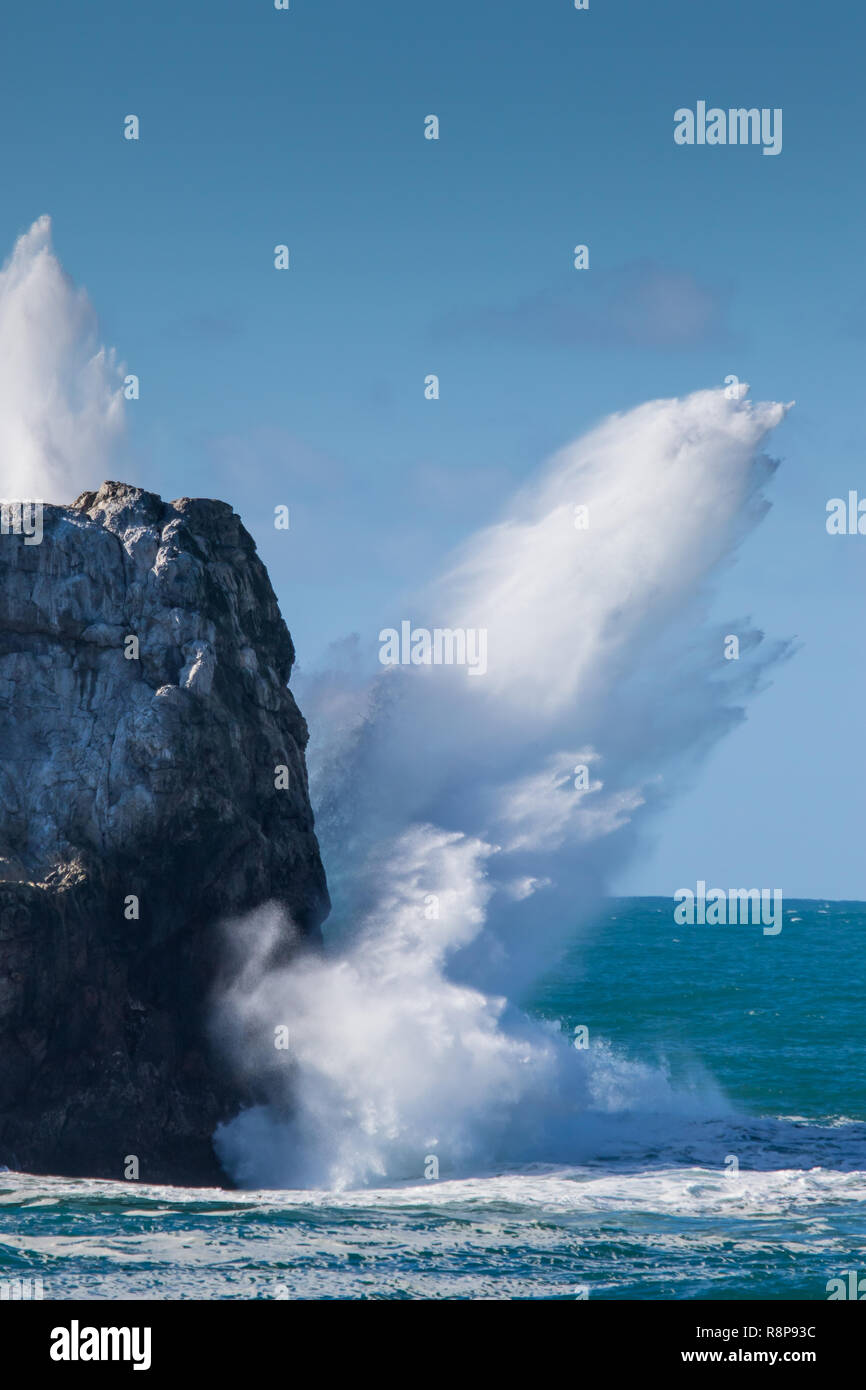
<point>763,1036</point>
<point>778,1021</point>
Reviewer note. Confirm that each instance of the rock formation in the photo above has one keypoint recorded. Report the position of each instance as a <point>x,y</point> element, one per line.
<point>144,712</point>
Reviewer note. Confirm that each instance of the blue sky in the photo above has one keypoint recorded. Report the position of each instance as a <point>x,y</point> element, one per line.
<point>261,127</point>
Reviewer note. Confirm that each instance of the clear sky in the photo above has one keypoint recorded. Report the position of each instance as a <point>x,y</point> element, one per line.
<point>454,257</point>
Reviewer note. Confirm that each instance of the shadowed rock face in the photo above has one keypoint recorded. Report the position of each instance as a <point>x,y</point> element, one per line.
<point>149,778</point>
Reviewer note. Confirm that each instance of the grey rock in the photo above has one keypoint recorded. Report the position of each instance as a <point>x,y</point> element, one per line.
<point>149,778</point>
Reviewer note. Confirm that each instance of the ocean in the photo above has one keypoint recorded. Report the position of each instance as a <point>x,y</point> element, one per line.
<point>751,1185</point>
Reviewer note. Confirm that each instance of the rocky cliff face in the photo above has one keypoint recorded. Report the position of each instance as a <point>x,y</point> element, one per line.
<point>143,716</point>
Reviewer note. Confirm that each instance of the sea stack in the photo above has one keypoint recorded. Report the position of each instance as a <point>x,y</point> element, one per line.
<point>152,788</point>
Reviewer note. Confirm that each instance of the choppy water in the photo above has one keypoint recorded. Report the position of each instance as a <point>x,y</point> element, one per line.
<point>770,1030</point>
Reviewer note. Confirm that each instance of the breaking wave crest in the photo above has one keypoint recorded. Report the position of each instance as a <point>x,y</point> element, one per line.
<point>470,826</point>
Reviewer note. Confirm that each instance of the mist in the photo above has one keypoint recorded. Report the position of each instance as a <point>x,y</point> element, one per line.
<point>471,827</point>
<point>61,398</point>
